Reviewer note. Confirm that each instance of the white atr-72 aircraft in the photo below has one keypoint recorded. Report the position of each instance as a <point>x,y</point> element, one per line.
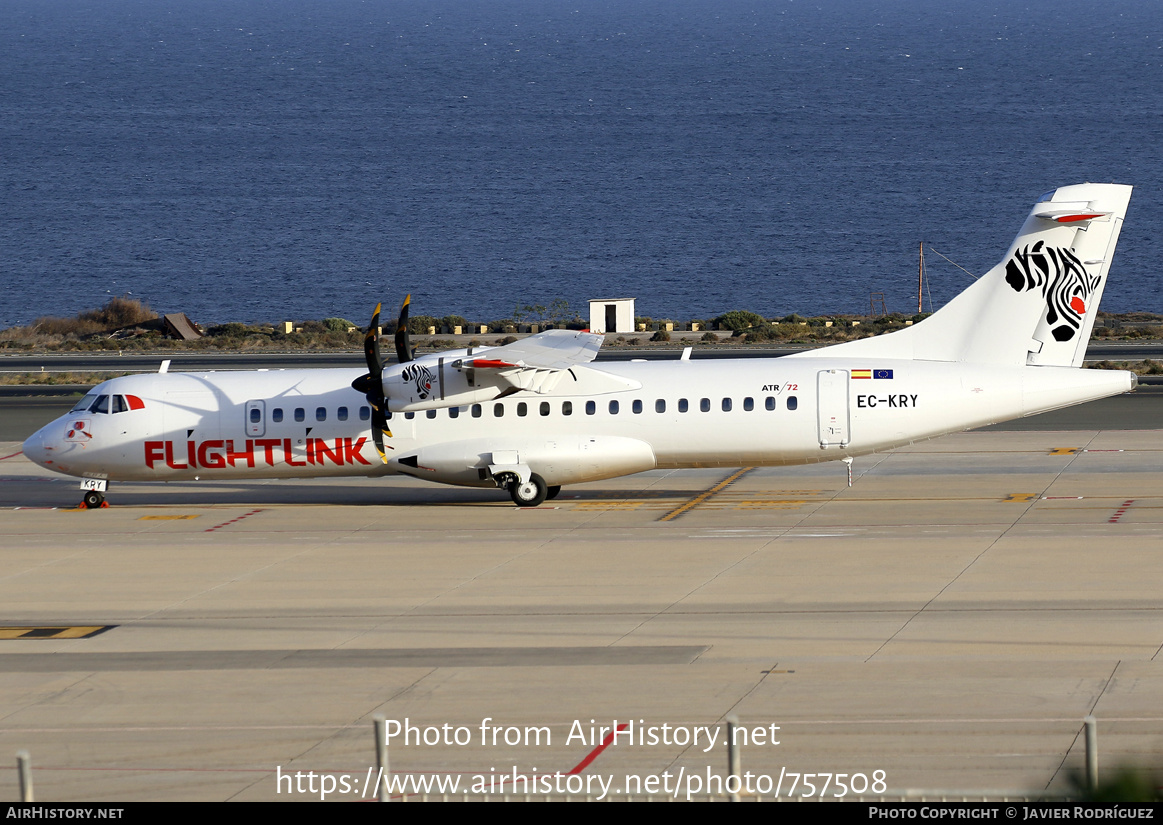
<point>534,415</point>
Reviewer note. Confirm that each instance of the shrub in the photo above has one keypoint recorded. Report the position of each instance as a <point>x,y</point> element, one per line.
<point>118,313</point>
<point>765,332</point>
<point>738,320</point>
<point>418,324</point>
<point>230,330</point>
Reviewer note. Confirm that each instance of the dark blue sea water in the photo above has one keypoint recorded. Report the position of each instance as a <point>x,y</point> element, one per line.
<point>270,159</point>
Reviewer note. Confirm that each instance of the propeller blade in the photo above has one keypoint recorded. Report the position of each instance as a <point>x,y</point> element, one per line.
<point>371,346</point>
<point>379,430</point>
<point>403,342</point>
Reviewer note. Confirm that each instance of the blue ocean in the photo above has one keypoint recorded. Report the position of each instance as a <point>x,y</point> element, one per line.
<point>260,160</point>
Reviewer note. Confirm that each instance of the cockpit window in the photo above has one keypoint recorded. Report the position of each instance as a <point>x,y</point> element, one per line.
<point>84,404</point>
<point>117,404</point>
<point>101,405</point>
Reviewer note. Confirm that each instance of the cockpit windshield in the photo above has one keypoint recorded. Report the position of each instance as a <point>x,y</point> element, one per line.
<point>97,403</point>
<point>85,403</point>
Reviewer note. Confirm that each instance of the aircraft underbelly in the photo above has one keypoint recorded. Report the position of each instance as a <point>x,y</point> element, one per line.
<point>559,459</point>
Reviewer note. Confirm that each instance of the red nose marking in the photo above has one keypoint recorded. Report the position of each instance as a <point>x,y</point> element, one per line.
<point>1077,305</point>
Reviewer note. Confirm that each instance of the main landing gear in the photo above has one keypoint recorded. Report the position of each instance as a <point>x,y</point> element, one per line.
<point>531,493</point>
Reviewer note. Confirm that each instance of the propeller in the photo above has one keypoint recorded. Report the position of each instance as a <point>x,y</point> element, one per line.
<point>372,384</point>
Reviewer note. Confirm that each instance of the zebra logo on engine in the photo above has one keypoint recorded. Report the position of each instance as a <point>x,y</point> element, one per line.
<point>1063,279</point>
<point>421,376</point>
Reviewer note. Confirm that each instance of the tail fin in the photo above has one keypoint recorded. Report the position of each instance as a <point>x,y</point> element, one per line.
<point>1038,305</point>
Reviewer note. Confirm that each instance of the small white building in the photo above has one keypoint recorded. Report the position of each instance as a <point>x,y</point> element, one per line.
<point>616,315</point>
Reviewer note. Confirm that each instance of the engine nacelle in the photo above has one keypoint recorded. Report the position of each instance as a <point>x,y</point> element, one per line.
<point>439,381</point>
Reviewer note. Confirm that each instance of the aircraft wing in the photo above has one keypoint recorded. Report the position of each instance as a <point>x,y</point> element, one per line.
<point>534,363</point>
<point>554,349</point>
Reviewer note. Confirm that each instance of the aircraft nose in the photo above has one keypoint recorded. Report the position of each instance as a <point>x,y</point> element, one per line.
<point>34,448</point>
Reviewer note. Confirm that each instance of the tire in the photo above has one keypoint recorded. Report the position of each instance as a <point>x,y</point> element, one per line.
<point>530,494</point>
<point>93,500</point>
<point>553,490</point>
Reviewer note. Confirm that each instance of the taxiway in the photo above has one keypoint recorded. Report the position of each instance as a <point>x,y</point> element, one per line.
<point>949,620</point>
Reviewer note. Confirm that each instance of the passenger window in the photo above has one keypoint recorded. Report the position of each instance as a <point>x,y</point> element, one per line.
<point>682,405</point>
<point>277,415</point>
<point>613,408</point>
<point>705,404</point>
<point>726,405</point>
<point>545,408</point>
<point>320,413</point>
<point>748,404</point>
<point>637,406</point>
<point>431,413</point>
<point>255,416</point>
<point>341,413</point>
<point>409,416</point>
<point>522,409</point>
<point>498,410</point>
<point>300,414</point>
<point>453,412</point>
<point>792,402</point>
<point>591,408</point>
<point>567,408</point>
<point>769,403</point>
<point>476,410</point>
<point>365,413</point>
<point>660,406</point>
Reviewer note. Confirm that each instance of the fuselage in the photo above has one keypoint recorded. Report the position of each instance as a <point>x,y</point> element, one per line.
<point>599,421</point>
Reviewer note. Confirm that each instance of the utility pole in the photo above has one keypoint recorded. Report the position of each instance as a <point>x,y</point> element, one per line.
<point>921,280</point>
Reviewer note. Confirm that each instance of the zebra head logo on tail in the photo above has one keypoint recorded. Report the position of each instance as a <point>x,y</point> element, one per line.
<point>1064,281</point>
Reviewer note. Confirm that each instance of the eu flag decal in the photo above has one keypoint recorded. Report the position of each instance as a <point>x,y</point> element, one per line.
<point>882,373</point>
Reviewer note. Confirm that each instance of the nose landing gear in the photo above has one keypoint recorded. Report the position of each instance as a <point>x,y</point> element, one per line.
<point>93,500</point>
<point>94,489</point>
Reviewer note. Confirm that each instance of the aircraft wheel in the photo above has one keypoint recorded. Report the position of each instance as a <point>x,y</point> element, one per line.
<point>93,500</point>
<point>530,494</point>
<point>552,491</point>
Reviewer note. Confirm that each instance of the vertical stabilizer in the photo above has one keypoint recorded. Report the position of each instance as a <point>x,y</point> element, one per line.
<point>1038,305</point>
